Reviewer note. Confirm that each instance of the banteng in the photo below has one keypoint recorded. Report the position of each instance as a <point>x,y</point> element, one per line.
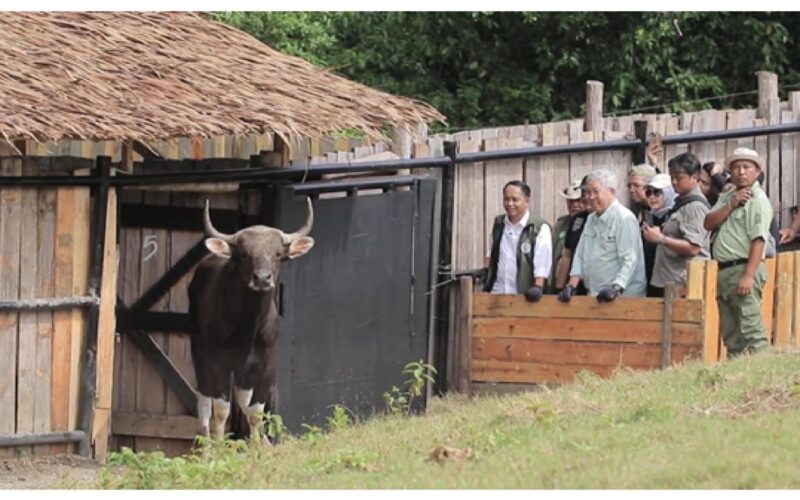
<point>233,316</point>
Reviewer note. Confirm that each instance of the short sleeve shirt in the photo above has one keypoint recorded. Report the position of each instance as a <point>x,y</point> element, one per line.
<point>743,225</point>
<point>576,223</point>
<point>685,224</point>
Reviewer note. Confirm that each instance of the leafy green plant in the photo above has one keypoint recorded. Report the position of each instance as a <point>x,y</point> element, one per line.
<point>419,374</point>
<point>312,432</point>
<point>339,419</point>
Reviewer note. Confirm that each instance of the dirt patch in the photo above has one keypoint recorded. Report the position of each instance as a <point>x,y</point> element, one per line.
<point>52,472</point>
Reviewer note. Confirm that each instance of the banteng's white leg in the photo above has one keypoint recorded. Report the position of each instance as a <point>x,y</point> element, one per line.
<point>253,413</point>
<point>222,409</point>
<point>203,413</point>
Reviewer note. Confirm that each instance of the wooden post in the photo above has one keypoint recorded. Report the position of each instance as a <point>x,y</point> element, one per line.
<point>701,284</point>
<point>463,333</point>
<point>594,106</point>
<point>767,90</point>
<point>784,300</point>
<point>666,339</point>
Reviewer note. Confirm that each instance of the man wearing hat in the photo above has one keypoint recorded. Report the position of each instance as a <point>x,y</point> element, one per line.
<point>572,194</point>
<point>741,218</point>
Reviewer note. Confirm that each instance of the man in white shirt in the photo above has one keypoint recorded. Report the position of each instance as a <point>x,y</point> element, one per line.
<point>520,247</point>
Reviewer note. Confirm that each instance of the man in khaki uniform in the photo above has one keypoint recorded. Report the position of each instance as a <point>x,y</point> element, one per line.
<point>742,218</point>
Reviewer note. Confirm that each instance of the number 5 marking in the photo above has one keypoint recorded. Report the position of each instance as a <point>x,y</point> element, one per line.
<point>150,242</point>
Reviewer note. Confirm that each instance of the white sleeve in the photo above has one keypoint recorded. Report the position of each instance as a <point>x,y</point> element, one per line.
<point>543,256</point>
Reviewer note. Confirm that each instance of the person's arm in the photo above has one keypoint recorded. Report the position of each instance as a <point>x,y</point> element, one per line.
<point>543,256</point>
<point>716,217</point>
<point>561,275</point>
<point>682,247</point>
<point>576,273</point>
<point>753,261</point>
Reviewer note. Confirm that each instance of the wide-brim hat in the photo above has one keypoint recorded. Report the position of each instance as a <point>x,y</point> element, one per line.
<point>572,192</point>
<point>660,181</point>
<point>744,154</point>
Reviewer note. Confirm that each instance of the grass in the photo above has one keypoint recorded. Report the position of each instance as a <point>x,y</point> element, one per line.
<point>733,425</point>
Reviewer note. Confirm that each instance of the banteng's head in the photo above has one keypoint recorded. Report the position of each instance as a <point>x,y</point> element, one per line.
<point>257,251</point>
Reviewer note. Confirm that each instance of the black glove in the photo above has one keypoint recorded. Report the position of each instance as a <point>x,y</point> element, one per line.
<point>566,293</point>
<point>533,294</point>
<point>608,293</point>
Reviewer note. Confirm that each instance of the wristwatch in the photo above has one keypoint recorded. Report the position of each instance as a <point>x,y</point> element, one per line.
<point>618,288</point>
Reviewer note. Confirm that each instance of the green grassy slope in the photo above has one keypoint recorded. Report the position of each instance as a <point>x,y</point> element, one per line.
<point>733,425</point>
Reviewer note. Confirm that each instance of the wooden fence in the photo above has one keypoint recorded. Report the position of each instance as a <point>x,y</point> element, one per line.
<point>44,244</point>
<point>504,340</point>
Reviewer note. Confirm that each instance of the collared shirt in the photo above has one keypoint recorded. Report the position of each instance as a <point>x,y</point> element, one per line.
<point>506,281</point>
<point>685,224</point>
<point>743,225</point>
<point>610,252</point>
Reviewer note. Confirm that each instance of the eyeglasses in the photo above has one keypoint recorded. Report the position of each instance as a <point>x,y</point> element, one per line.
<point>653,192</point>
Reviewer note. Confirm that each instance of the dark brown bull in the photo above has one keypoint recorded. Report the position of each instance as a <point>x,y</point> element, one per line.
<point>234,319</point>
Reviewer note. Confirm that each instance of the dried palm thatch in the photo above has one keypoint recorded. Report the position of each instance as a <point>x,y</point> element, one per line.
<point>146,76</point>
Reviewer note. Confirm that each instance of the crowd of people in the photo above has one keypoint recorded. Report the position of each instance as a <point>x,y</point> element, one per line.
<point>604,249</point>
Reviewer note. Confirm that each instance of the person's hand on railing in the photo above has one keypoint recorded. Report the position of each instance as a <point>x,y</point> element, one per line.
<point>609,293</point>
<point>533,294</point>
<point>566,293</point>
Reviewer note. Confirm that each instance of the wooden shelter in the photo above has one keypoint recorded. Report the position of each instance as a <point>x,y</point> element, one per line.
<point>79,86</point>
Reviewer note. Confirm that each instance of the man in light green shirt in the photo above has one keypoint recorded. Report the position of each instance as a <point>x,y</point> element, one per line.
<point>609,257</point>
<point>742,218</point>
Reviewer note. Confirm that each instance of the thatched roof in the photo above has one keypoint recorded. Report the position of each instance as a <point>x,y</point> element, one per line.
<point>147,76</point>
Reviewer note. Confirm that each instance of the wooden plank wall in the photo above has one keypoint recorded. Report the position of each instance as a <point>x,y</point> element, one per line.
<point>44,250</point>
<point>514,341</point>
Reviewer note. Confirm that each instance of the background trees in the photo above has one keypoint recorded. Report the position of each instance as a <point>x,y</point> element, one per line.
<point>501,68</point>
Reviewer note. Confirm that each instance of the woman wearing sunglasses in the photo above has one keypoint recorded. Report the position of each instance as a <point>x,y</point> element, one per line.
<point>660,198</point>
<point>682,236</point>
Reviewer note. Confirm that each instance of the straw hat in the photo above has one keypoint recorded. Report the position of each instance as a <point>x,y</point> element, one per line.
<point>744,154</point>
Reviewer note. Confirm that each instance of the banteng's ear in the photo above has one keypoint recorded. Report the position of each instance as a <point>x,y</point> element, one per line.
<point>219,247</point>
<point>299,247</point>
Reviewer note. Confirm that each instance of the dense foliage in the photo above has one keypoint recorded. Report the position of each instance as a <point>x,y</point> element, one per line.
<point>502,68</point>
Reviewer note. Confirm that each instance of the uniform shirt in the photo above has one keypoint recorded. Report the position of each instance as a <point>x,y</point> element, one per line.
<point>576,223</point>
<point>743,225</point>
<point>685,224</point>
<point>610,252</point>
<point>506,281</point>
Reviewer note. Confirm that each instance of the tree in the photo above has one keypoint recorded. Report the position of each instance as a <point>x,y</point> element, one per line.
<point>502,68</point>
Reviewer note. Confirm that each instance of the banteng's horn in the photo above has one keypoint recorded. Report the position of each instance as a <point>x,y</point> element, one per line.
<point>210,230</point>
<point>288,238</point>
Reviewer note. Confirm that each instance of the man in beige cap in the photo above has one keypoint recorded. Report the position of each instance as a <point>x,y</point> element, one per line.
<point>742,218</point>
<point>572,194</point>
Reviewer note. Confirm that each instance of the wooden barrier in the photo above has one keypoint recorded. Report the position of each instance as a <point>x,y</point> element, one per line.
<point>504,339</point>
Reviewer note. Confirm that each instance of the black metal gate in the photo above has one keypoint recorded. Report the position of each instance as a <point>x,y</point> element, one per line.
<point>355,309</point>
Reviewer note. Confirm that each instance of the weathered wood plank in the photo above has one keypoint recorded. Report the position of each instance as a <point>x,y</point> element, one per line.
<point>62,320</point>
<point>10,218</point>
<point>768,298</point>
<point>533,373</point>
<point>470,233</point>
<point>127,357</point>
<point>26,358</point>
<point>796,305</point>
<point>627,308</point>
<point>586,329</point>
<point>45,287</point>
<point>561,170</point>
<point>106,336</point>
<point>80,279</point>
<point>178,343</point>
<point>148,425</point>
<point>523,350</point>
<point>784,299</point>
